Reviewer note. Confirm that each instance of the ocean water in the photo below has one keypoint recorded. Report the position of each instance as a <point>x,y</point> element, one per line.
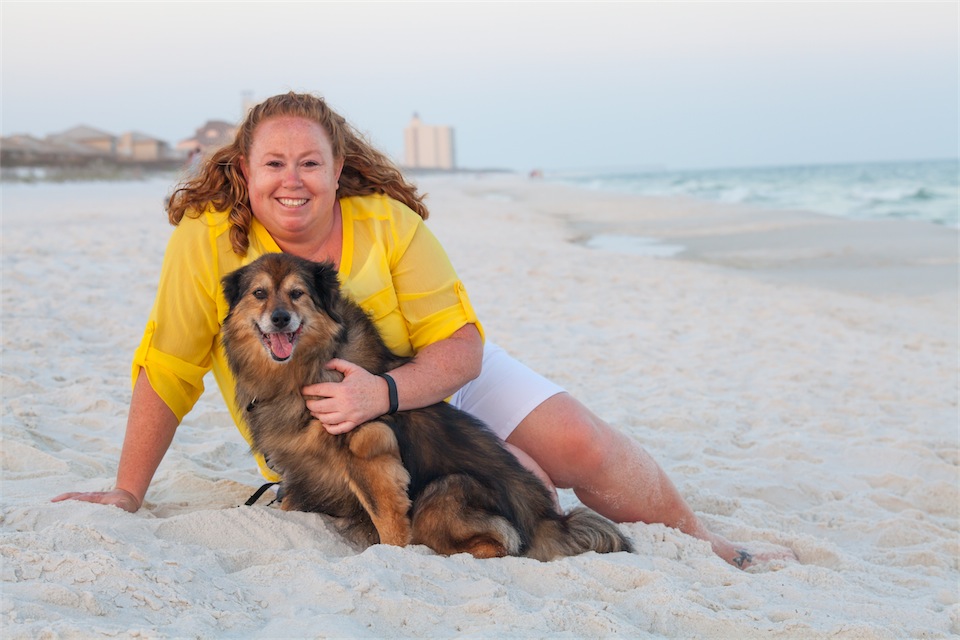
<point>922,190</point>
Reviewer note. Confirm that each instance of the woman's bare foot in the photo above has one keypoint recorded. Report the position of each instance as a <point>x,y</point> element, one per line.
<point>740,557</point>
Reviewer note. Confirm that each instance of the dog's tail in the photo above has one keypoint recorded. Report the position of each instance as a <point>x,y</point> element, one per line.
<point>577,532</point>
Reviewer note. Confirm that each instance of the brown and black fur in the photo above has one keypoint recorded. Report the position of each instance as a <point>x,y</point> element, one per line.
<point>434,476</point>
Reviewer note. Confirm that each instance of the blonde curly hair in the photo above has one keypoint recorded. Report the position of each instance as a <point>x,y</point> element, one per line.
<point>221,184</point>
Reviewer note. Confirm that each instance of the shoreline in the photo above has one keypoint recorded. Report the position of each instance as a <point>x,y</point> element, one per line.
<point>899,257</point>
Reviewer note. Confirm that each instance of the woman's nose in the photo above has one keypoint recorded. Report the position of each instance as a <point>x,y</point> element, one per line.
<point>291,177</point>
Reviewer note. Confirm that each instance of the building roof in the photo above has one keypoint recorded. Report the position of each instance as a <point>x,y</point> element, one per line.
<point>215,133</point>
<point>136,136</point>
<point>81,132</point>
<point>24,144</point>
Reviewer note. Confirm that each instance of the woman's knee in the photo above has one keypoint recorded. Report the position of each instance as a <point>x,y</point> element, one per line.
<point>588,441</point>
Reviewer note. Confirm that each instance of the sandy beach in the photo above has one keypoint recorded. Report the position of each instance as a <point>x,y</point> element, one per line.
<point>796,375</point>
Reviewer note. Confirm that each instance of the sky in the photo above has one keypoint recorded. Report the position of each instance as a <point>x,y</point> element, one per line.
<point>547,85</point>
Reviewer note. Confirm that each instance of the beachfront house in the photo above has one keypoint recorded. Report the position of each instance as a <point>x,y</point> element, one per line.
<point>212,135</point>
<point>84,146</point>
<point>22,150</point>
<point>141,147</point>
<point>101,141</point>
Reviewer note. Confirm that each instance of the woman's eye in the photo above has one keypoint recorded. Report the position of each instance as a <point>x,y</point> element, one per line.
<point>275,164</point>
<point>295,294</point>
<point>260,294</point>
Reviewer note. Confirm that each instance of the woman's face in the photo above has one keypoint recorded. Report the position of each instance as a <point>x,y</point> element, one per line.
<point>292,178</point>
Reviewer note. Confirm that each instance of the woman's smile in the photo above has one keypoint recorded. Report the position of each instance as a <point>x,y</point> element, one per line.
<point>293,203</point>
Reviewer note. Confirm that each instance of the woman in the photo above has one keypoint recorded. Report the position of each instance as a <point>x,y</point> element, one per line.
<point>299,179</point>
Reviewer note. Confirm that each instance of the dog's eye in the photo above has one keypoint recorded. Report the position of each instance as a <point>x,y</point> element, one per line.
<point>296,293</point>
<point>260,294</point>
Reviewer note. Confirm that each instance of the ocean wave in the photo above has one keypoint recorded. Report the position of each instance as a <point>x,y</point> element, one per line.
<point>908,194</point>
<point>925,190</point>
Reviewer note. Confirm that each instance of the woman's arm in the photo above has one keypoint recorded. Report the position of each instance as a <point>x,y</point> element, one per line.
<point>150,428</point>
<point>438,370</point>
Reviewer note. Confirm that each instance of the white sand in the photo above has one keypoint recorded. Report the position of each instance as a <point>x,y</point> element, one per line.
<point>795,397</point>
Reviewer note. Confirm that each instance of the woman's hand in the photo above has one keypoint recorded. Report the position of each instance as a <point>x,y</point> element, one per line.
<point>150,428</point>
<point>116,497</point>
<point>436,373</point>
<point>343,406</point>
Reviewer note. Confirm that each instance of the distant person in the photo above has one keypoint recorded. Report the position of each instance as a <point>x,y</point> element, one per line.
<point>299,179</point>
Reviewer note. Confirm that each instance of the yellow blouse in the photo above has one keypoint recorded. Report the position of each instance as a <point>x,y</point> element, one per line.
<point>391,264</point>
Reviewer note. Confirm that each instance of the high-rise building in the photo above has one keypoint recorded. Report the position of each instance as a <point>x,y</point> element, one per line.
<point>428,146</point>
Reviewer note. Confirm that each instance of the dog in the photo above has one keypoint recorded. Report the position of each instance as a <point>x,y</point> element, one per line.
<point>435,476</point>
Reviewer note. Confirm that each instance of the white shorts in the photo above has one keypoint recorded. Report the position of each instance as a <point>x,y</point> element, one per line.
<point>505,392</point>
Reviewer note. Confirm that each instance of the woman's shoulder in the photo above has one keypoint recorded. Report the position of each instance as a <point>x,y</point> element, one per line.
<point>379,206</point>
<point>209,217</point>
<point>204,223</point>
<point>198,230</point>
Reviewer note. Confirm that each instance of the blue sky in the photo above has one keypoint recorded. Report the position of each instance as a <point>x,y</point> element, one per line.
<point>548,85</point>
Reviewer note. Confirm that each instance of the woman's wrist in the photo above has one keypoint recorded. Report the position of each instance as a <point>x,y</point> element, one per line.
<point>136,502</point>
<point>393,399</point>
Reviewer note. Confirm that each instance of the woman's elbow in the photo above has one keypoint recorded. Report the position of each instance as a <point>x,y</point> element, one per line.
<point>472,347</point>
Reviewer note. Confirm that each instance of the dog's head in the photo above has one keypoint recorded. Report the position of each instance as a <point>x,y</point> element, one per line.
<point>277,298</point>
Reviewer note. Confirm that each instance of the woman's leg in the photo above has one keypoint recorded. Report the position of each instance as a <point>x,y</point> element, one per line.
<point>611,473</point>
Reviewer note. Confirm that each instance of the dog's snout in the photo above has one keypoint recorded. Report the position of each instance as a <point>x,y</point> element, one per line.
<point>280,318</point>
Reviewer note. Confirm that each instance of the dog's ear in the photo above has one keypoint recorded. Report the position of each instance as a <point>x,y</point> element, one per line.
<point>233,286</point>
<point>326,289</point>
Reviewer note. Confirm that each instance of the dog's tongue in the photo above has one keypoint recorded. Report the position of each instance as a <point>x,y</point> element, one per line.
<point>280,345</point>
